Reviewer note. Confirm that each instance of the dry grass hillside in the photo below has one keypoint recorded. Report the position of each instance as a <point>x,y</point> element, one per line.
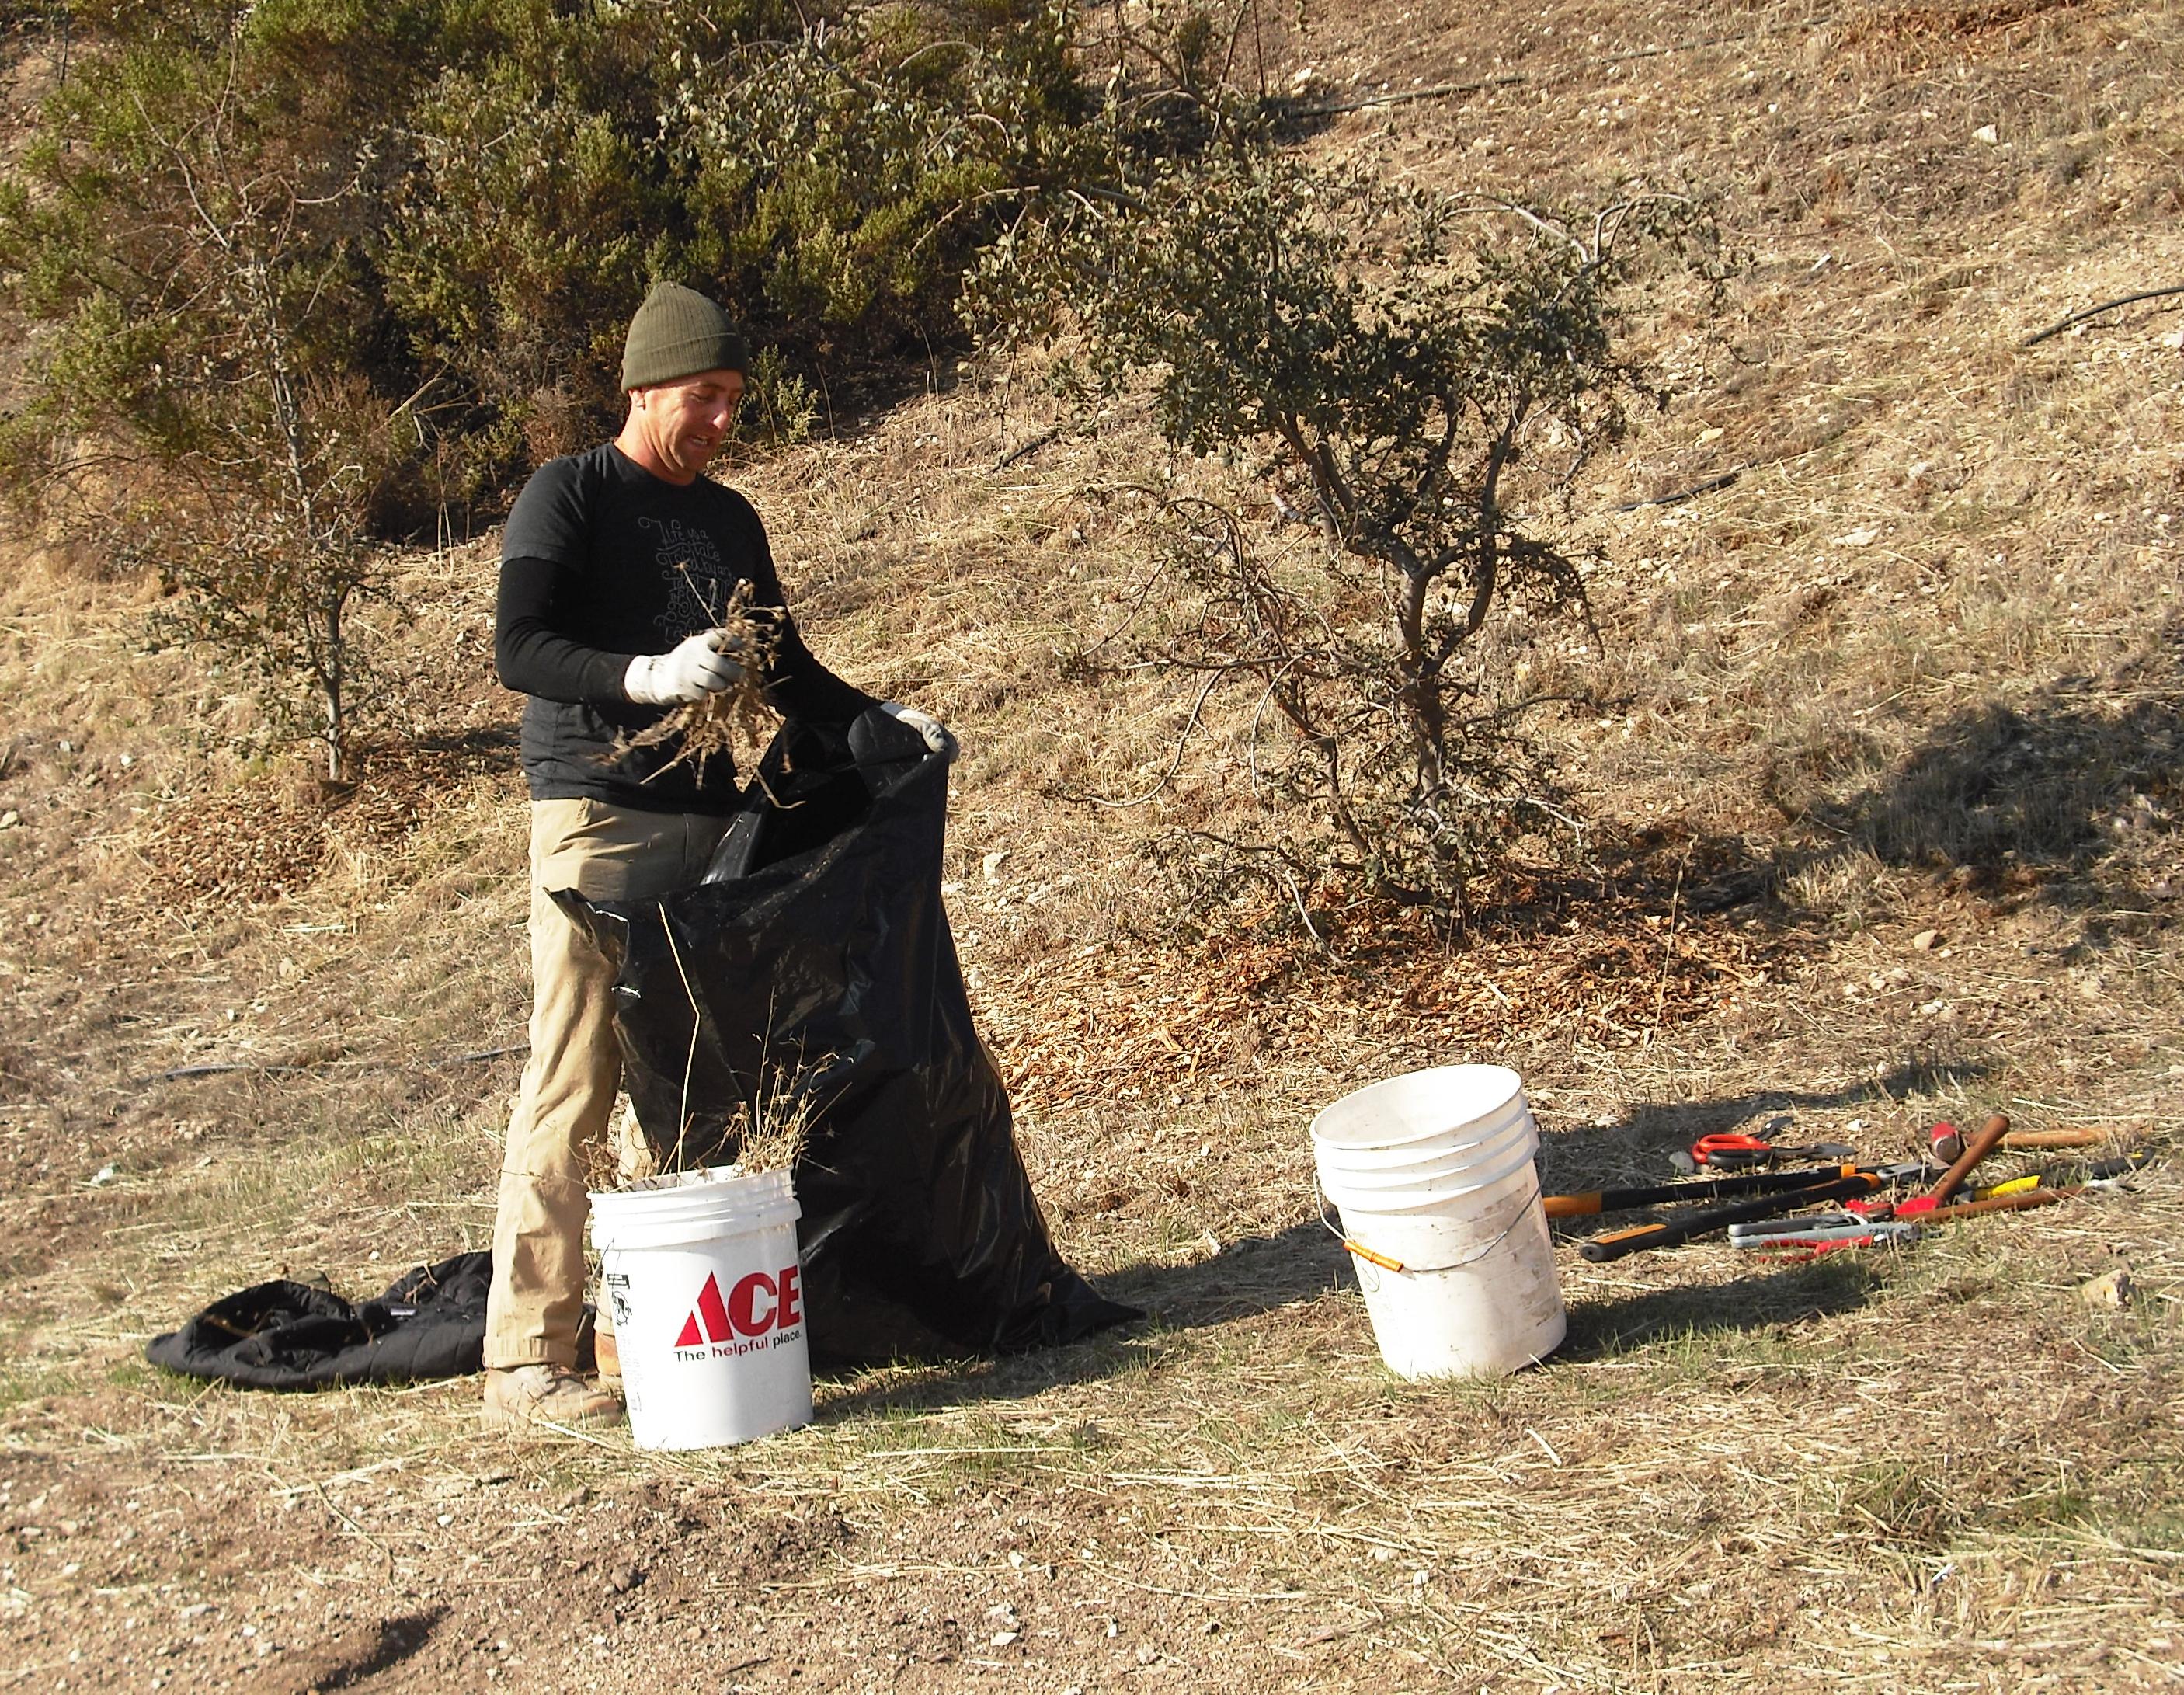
<point>1882,792</point>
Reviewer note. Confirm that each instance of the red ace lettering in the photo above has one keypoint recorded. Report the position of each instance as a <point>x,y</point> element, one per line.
<point>742,1305</point>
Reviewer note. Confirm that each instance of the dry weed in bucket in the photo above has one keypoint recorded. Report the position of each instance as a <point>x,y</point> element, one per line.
<point>737,720</point>
<point>770,1135</point>
<point>702,1273</point>
<point>765,1131</point>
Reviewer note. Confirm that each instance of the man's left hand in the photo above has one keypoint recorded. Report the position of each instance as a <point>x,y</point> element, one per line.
<point>935,732</point>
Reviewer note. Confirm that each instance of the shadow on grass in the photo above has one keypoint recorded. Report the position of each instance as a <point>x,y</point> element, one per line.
<point>1262,1273</point>
<point>1602,1330</point>
<point>1255,1275</point>
<point>1252,1275</point>
<point>2059,797</point>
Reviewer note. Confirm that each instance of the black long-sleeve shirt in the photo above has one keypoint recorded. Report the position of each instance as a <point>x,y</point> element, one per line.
<point>603,561</point>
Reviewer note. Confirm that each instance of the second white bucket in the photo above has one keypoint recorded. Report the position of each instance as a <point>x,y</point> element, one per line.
<point>1457,1269</point>
<point>701,1271</point>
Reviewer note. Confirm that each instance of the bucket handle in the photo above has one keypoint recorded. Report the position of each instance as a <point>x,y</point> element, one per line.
<point>1385,1263</point>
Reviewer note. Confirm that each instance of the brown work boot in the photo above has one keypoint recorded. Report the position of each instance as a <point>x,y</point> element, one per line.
<point>609,1358</point>
<point>524,1397</point>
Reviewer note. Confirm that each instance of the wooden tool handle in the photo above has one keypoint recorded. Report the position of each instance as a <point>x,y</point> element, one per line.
<point>2047,1139</point>
<point>2002,1203</point>
<point>1977,1149</point>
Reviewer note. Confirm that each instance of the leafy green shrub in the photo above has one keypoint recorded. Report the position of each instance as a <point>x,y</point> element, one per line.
<point>304,273</point>
<point>194,248</point>
<point>479,191</point>
<point>1426,376</point>
<point>826,174</point>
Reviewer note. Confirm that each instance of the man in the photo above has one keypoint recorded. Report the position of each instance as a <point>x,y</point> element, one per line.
<point>616,569</point>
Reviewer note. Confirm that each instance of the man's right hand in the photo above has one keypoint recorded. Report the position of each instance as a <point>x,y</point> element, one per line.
<point>696,668</point>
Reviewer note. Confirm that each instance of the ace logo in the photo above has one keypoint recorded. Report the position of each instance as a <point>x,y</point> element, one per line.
<point>756,1304</point>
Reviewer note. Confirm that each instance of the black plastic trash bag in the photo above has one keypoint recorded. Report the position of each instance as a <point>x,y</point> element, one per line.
<point>286,1335</point>
<point>815,964</point>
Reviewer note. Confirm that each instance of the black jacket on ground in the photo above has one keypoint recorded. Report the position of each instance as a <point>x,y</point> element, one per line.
<point>286,1335</point>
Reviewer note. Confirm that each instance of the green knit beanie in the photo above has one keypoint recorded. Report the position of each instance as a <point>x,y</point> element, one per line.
<point>678,332</point>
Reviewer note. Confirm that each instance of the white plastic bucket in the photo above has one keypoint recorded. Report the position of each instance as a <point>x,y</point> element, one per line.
<point>1428,1188</point>
<point>1399,1119</point>
<point>701,1270</point>
<point>1454,1254</point>
<point>1520,1139</point>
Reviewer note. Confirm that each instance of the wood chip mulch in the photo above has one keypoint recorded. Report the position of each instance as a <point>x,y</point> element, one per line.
<point>1105,1023</point>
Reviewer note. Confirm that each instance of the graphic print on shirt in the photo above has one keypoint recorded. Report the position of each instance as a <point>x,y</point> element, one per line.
<point>697,585</point>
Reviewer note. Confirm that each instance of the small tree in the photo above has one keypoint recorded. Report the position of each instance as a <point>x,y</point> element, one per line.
<point>202,339</point>
<point>1425,376</point>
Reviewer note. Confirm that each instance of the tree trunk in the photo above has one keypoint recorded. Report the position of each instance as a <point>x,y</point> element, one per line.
<point>331,697</point>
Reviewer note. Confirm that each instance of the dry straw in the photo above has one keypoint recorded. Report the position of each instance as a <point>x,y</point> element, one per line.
<point>768,1133</point>
<point>737,720</point>
<point>766,1130</point>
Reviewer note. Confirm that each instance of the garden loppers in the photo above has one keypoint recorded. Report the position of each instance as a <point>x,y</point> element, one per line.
<point>1593,1203</point>
<point>1616,1243</point>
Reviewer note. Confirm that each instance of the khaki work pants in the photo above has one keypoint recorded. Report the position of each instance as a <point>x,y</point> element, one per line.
<point>559,1128</point>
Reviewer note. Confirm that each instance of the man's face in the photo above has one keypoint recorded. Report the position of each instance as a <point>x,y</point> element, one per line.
<point>684,422</point>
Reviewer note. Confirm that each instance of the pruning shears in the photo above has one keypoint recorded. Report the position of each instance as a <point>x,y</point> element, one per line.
<point>1726,1150</point>
<point>1832,1230</point>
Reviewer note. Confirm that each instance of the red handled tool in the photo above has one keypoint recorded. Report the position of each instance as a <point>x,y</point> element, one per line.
<point>1728,1151</point>
<point>1977,1149</point>
<point>1825,1232</point>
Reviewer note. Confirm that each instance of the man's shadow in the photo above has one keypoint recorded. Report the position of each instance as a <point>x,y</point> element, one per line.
<point>394,1642</point>
<point>2056,798</point>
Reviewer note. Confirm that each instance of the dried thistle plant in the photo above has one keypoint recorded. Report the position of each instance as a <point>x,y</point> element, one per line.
<point>770,1133</point>
<point>739,721</point>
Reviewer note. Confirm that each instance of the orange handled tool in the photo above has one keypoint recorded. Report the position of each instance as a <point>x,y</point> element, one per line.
<point>2051,1138</point>
<point>2002,1203</point>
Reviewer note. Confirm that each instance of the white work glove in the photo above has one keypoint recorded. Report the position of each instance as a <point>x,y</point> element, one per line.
<point>934,732</point>
<point>696,668</point>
